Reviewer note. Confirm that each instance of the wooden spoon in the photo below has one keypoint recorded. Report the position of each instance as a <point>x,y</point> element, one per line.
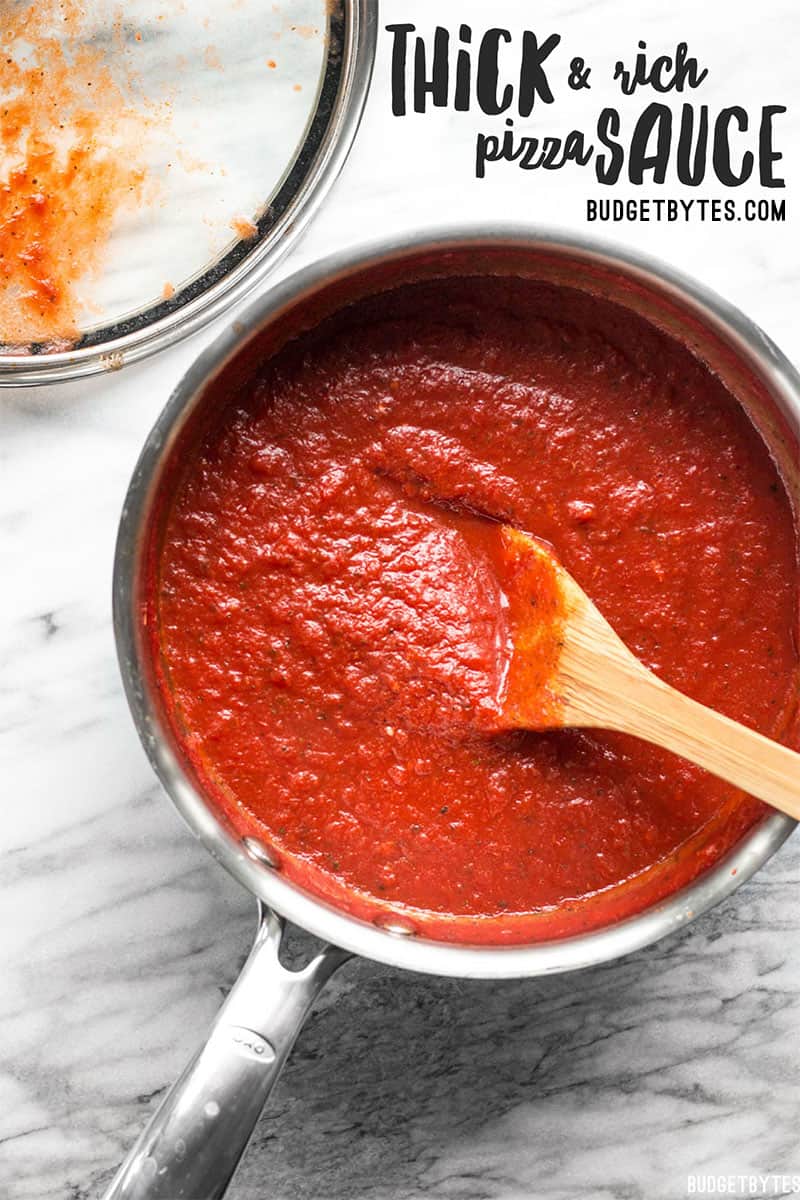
<point>569,668</point>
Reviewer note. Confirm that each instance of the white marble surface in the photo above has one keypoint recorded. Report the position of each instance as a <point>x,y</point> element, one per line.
<point>119,936</point>
<point>199,73</point>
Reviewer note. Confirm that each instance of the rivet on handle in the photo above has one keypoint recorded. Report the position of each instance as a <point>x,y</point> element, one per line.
<point>261,853</point>
<point>397,926</point>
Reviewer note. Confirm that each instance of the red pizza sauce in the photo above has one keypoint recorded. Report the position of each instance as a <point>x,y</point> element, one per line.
<point>332,637</point>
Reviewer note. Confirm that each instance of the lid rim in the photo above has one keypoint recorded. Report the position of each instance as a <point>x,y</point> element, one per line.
<point>358,56</point>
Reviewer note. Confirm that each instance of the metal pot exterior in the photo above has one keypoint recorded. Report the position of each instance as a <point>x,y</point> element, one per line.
<point>734,347</point>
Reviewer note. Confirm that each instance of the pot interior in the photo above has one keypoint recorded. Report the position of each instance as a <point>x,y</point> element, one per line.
<point>733,351</point>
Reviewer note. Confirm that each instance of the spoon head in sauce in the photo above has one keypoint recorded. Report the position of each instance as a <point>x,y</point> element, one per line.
<point>537,591</point>
<point>535,587</point>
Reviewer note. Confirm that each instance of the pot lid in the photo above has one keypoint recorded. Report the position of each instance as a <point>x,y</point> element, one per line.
<point>157,160</point>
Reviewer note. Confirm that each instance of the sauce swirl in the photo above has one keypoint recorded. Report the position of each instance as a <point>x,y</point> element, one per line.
<point>331,643</point>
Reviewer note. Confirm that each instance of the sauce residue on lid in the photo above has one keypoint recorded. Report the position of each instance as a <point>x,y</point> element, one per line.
<point>71,145</point>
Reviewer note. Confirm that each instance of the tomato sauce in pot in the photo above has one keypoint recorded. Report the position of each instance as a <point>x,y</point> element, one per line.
<point>332,638</point>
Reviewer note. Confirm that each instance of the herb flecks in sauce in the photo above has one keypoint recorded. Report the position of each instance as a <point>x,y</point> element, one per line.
<point>332,638</point>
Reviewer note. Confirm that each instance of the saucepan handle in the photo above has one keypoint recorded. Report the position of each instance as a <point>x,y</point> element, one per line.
<point>194,1141</point>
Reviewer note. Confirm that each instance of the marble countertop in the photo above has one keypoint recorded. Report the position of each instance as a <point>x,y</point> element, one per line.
<point>118,934</point>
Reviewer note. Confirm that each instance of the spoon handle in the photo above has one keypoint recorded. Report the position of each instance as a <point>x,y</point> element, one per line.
<point>642,704</point>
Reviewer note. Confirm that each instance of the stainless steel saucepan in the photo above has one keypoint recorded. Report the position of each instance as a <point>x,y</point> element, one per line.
<point>195,1139</point>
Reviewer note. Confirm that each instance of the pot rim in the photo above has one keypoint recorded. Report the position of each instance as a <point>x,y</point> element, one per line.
<point>384,944</point>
